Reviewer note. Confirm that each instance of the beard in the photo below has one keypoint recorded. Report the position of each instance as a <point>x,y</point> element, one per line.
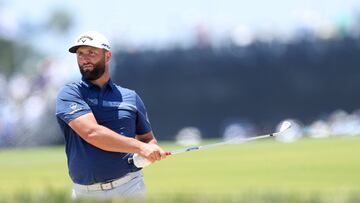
<point>95,73</point>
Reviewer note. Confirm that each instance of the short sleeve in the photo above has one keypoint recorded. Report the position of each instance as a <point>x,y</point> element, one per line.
<point>70,104</point>
<point>143,125</point>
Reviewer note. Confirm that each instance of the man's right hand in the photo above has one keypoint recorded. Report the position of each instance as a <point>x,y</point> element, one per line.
<point>152,152</point>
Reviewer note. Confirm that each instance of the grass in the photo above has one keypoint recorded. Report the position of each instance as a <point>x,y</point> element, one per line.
<point>309,170</point>
<point>308,165</point>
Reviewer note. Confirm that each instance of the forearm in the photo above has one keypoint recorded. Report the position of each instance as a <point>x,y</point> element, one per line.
<point>108,140</point>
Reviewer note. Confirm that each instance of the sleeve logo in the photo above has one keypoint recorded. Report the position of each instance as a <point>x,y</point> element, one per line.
<point>73,106</point>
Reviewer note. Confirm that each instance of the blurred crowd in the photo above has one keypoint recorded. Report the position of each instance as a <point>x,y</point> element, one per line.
<point>338,123</point>
<point>27,105</point>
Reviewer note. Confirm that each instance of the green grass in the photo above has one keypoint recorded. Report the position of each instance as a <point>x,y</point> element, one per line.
<point>307,166</point>
<point>33,170</point>
<point>309,170</point>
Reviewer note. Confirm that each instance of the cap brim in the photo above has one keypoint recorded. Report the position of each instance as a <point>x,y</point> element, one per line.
<point>73,49</point>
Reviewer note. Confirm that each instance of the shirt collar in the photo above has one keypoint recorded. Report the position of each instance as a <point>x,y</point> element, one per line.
<point>110,84</point>
<point>88,84</point>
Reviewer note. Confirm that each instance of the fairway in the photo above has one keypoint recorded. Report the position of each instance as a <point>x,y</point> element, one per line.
<point>326,167</point>
<point>307,166</point>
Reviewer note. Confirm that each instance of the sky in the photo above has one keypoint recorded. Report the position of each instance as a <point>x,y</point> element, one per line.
<point>158,22</point>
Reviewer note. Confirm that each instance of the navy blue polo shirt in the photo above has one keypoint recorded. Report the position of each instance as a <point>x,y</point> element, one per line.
<point>114,107</point>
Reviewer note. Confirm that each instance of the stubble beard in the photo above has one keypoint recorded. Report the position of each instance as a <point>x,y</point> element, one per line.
<point>95,73</point>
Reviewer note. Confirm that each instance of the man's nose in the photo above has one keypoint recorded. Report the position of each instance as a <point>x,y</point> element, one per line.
<point>85,58</point>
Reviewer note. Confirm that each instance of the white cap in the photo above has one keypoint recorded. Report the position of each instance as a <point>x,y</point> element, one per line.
<point>90,38</point>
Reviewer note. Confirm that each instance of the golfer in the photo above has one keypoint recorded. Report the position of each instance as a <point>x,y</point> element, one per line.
<point>103,125</point>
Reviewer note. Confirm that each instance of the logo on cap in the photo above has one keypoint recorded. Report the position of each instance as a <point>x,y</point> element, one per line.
<point>84,38</point>
<point>105,45</point>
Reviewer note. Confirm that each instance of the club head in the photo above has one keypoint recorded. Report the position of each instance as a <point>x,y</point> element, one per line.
<point>284,126</point>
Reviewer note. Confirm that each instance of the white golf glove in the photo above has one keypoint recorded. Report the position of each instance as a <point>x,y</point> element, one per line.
<point>140,161</point>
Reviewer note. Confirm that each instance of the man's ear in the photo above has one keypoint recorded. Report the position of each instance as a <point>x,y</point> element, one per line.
<point>108,56</point>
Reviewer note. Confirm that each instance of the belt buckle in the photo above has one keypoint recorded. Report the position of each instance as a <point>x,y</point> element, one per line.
<point>106,185</point>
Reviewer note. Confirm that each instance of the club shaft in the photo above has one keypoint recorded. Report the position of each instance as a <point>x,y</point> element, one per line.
<point>219,144</point>
<point>141,162</point>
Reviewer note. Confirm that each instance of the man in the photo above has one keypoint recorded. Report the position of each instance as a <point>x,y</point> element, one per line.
<point>103,125</point>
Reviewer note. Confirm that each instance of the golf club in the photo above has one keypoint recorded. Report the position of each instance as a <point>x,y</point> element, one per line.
<point>141,162</point>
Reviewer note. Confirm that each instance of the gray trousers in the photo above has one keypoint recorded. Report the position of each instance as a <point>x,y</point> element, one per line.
<point>133,189</point>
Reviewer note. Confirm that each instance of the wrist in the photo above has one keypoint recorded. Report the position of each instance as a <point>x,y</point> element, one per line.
<point>140,148</point>
<point>153,141</point>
